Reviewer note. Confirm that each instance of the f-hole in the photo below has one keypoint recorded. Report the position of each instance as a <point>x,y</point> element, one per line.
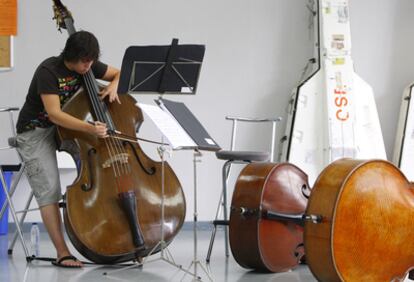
<point>88,186</point>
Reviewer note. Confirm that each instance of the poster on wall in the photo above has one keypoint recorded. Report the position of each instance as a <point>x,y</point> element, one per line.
<point>8,17</point>
<point>6,52</point>
<point>8,29</point>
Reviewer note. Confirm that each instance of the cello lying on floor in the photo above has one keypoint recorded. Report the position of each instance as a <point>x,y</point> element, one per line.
<point>358,224</point>
<point>366,228</point>
<point>259,238</point>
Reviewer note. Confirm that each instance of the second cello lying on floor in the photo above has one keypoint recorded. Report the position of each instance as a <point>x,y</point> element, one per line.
<point>259,238</point>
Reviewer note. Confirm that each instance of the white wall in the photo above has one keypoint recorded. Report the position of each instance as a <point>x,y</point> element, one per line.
<point>383,55</point>
<point>255,53</point>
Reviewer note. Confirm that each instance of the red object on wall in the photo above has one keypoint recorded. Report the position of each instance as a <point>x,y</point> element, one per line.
<point>8,17</point>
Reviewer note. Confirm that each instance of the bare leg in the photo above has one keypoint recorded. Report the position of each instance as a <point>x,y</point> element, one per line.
<point>53,223</point>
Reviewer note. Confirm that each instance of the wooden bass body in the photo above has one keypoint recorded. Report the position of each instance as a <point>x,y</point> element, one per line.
<point>94,219</point>
<point>366,233</point>
<point>257,241</point>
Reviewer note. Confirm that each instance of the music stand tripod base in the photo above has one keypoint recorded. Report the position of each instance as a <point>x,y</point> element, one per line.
<point>196,262</point>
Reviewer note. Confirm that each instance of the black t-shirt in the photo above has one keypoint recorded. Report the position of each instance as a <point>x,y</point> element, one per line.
<point>51,77</point>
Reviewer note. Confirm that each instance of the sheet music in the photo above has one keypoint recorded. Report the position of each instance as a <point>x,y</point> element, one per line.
<point>169,127</point>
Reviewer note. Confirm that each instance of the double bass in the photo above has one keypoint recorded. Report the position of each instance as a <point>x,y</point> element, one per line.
<point>112,211</point>
<point>266,227</point>
<point>357,221</point>
<point>366,228</point>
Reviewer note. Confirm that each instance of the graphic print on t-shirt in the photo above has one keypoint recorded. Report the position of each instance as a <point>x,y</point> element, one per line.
<point>51,77</point>
<point>67,87</point>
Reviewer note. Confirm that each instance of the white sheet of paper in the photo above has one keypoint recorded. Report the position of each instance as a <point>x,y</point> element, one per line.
<point>169,127</point>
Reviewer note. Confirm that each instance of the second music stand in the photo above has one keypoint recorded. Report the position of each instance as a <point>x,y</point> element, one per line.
<point>202,141</point>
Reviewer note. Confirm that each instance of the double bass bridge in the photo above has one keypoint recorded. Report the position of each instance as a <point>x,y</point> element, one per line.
<point>121,158</point>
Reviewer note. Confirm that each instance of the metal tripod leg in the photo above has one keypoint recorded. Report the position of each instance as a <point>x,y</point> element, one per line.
<point>196,262</point>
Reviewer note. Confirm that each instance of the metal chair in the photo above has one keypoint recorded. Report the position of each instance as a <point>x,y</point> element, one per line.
<point>237,157</point>
<point>19,169</point>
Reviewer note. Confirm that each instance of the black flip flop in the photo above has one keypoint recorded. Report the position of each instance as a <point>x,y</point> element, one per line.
<point>62,259</point>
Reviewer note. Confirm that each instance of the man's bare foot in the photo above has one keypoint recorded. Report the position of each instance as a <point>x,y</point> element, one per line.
<point>68,261</point>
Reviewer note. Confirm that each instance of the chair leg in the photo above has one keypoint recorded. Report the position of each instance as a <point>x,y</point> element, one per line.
<point>213,232</point>
<point>210,247</point>
<point>226,170</point>
<point>12,189</point>
<point>221,206</point>
<point>13,213</point>
<point>22,218</point>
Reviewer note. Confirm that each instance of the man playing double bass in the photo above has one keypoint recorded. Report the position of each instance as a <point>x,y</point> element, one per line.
<point>54,82</point>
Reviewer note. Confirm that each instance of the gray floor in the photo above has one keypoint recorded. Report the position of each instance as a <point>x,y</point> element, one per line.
<point>14,268</point>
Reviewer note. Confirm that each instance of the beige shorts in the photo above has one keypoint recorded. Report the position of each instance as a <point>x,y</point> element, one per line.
<point>38,150</point>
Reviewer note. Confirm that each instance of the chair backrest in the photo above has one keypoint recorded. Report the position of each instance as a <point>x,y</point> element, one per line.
<point>12,139</point>
<point>236,120</point>
<point>10,110</point>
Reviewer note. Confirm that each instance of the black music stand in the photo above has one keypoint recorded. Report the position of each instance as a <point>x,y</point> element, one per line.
<point>162,70</point>
<point>170,69</point>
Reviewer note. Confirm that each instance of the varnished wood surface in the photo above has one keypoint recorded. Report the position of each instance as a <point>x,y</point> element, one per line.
<point>259,243</point>
<point>95,221</point>
<point>366,233</point>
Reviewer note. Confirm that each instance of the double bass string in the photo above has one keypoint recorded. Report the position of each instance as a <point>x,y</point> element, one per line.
<point>100,115</point>
<point>113,144</point>
<point>96,103</point>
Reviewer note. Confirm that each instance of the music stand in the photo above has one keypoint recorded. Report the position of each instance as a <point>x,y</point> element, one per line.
<point>171,69</point>
<point>182,131</point>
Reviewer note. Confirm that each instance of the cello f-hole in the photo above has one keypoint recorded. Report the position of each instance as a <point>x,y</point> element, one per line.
<point>306,188</point>
<point>150,171</point>
<point>299,252</point>
<point>88,186</point>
